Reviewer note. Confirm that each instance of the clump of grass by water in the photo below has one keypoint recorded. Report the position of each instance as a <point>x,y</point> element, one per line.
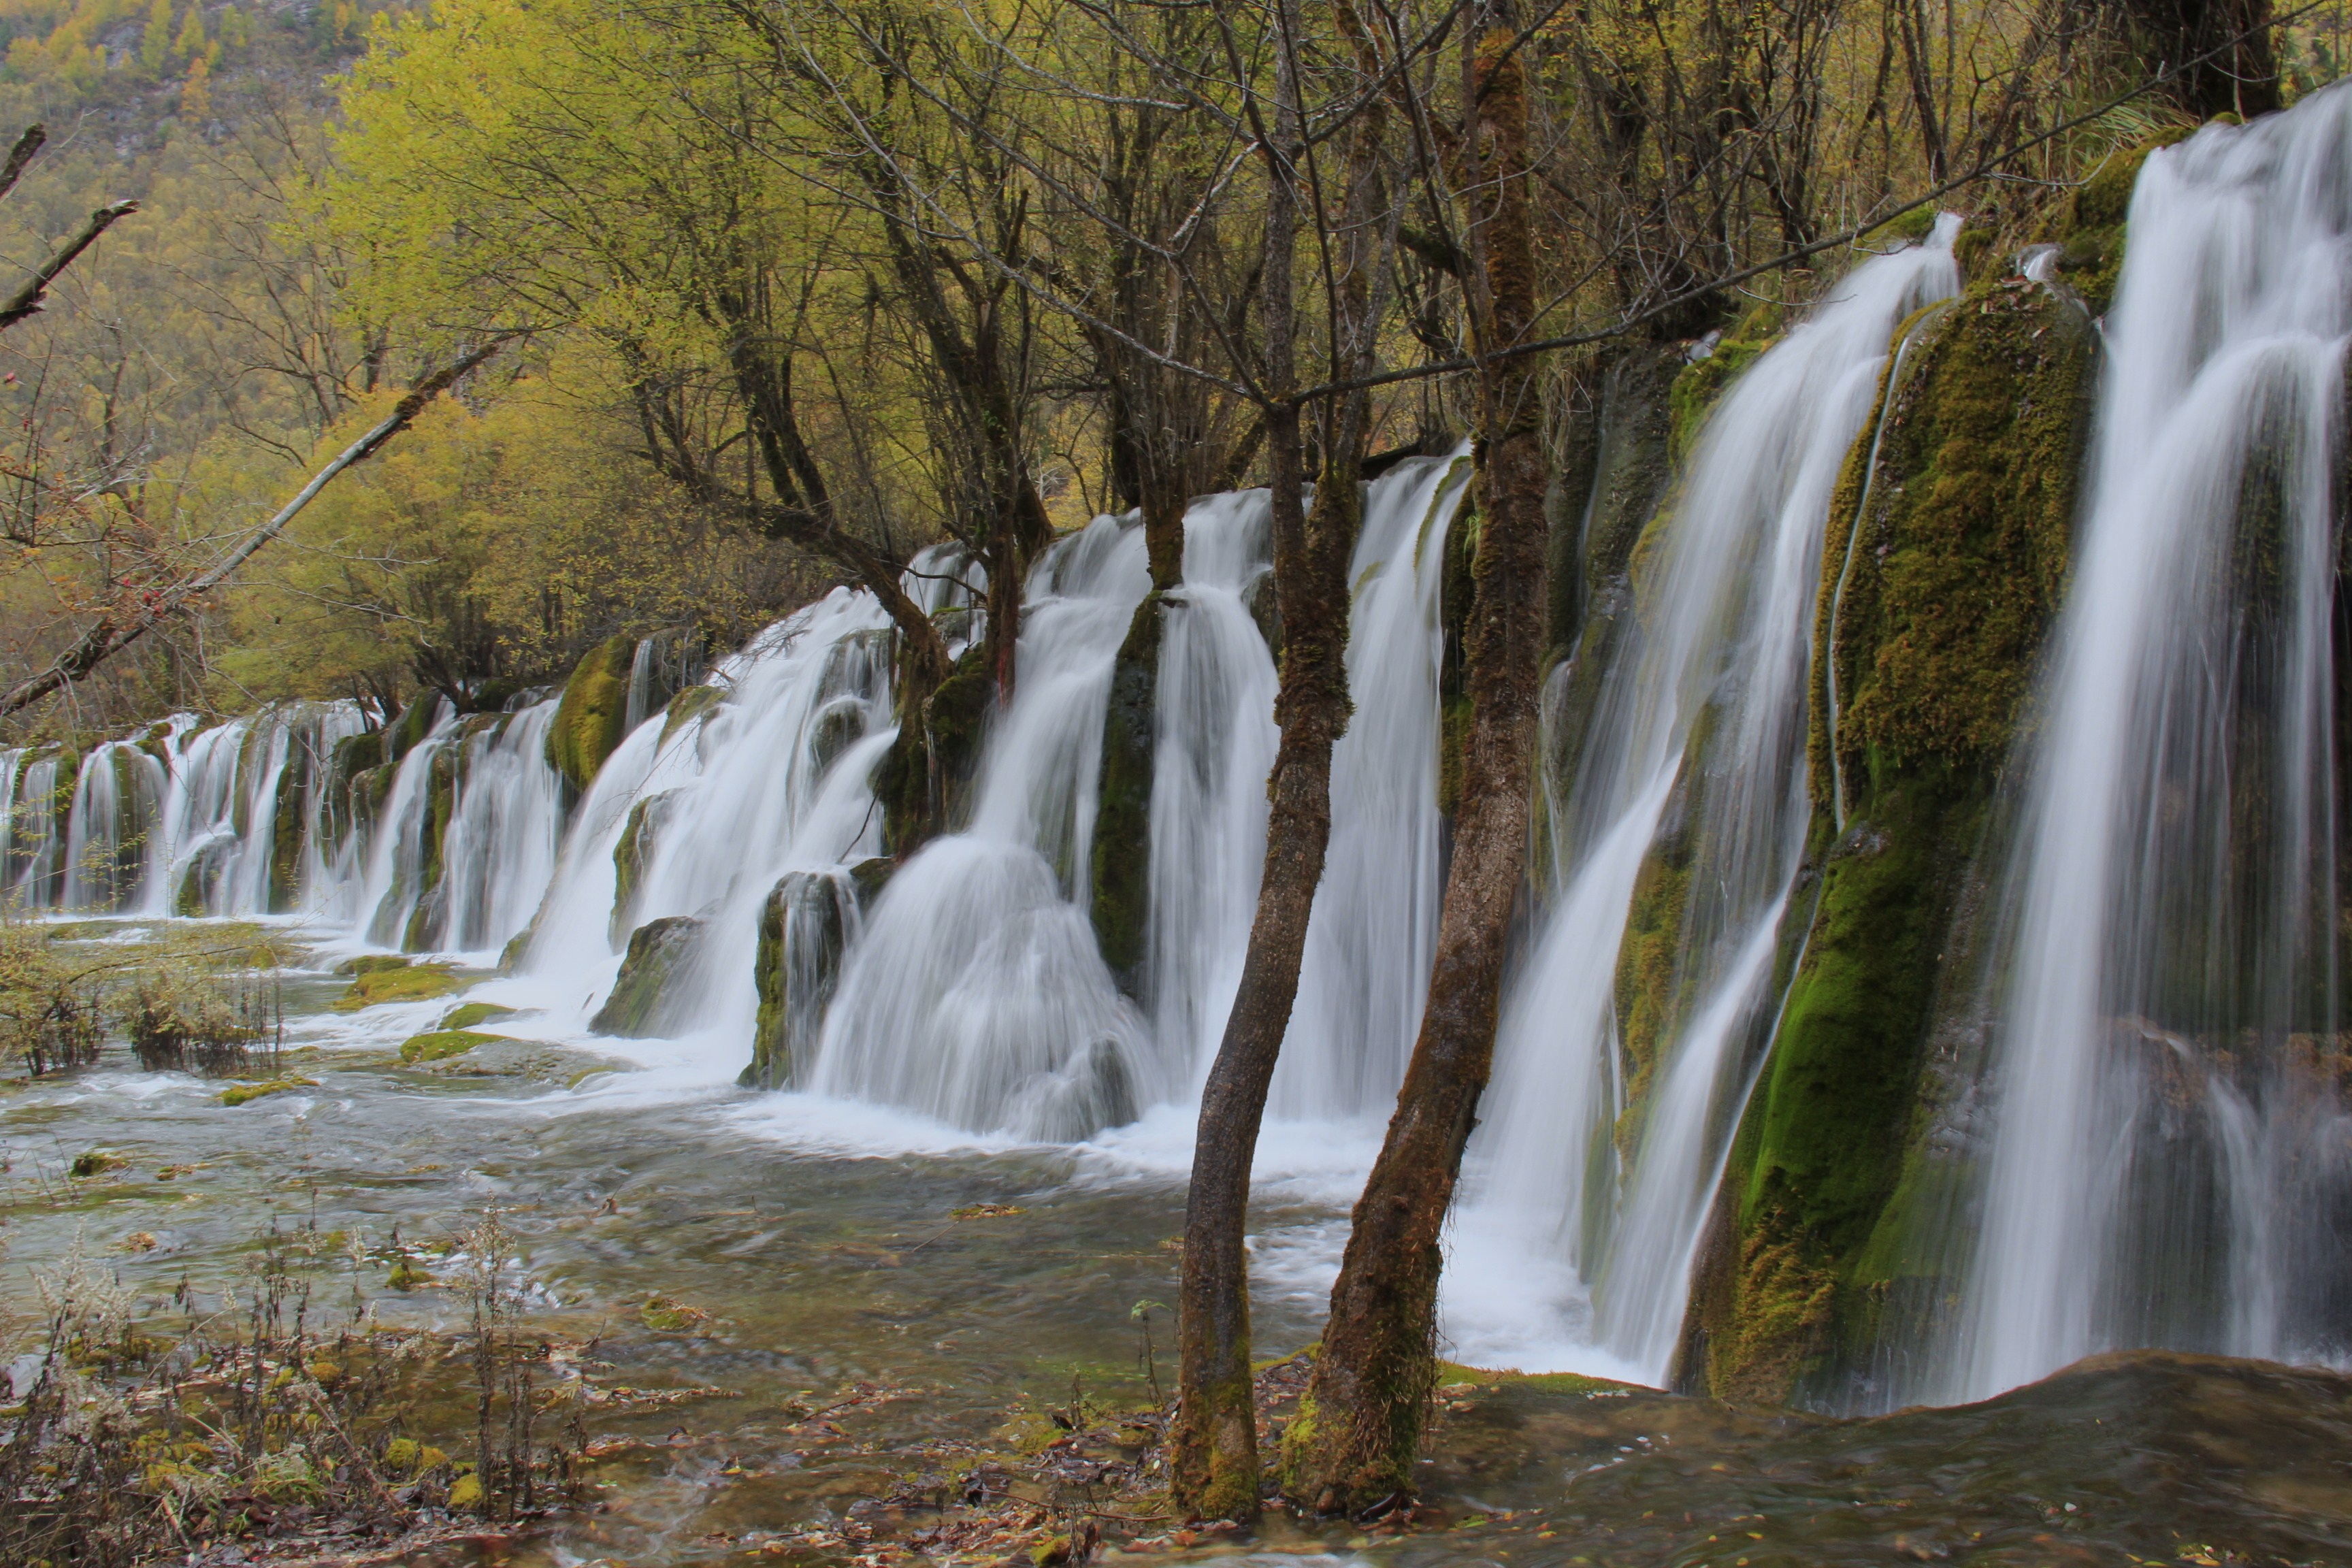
<point>199,999</point>
<point>51,1009</point>
<point>182,1019</point>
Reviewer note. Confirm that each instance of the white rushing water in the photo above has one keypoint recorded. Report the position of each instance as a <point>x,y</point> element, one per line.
<point>2167,981</point>
<point>1374,929</point>
<point>976,994</point>
<point>1584,1198</point>
<point>1213,747</point>
<point>771,778</point>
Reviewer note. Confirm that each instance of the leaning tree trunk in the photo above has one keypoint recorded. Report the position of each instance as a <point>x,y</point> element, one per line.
<point>1358,1434</point>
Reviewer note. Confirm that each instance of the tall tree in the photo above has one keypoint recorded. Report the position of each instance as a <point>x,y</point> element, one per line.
<point>1216,1460</point>
<point>1357,1433</point>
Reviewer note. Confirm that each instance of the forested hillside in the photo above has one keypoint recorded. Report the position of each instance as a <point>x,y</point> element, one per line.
<point>796,290</point>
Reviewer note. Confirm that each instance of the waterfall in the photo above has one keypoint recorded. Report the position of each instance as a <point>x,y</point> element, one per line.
<point>36,842</point>
<point>712,806</point>
<point>1213,746</point>
<point>1372,934</point>
<point>114,806</point>
<point>2167,1162</point>
<point>397,849</point>
<point>506,823</point>
<point>1587,1184</point>
<point>976,994</point>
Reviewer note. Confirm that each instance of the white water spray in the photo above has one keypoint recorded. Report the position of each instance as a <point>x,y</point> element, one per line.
<point>2168,963</point>
<point>1696,752</point>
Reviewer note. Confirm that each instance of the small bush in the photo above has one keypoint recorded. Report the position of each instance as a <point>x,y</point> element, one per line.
<point>185,1020</point>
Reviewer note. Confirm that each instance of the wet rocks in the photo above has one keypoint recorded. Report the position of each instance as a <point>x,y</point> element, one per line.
<point>643,997</point>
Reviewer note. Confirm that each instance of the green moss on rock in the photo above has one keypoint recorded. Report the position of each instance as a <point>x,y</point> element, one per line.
<point>1616,479</point>
<point>804,924</point>
<point>1704,381</point>
<point>1942,572</point>
<point>425,921</point>
<point>632,852</point>
<point>289,824</point>
<point>440,1045</point>
<point>687,706</point>
<point>242,1093</point>
<point>466,1015</point>
<point>339,807</point>
<point>645,994</point>
<point>591,720</point>
<point>416,722</point>
<point>416,982</point>
<point>2091,245</point>
<point>956,720</point>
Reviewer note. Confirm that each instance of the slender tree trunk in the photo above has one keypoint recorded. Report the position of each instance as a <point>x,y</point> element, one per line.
<point>1358,1434</point>
<point>1213,1445</point>
<point>1216,1470</point>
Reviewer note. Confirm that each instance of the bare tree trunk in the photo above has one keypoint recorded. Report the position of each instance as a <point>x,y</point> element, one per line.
<point>1214,1444</point>
<point>1358,1434</point>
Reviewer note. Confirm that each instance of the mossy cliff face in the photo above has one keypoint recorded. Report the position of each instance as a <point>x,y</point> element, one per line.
<point>1455,591</point>
<point>1942,571</point>
<point>1122,871</point>
<point>340,799</point>
<point>289,823</point>
<point>592,716</point>
<point>425,924</point>
<point>632,852</point>
<point>408,732</point>
<point>1615,473</point>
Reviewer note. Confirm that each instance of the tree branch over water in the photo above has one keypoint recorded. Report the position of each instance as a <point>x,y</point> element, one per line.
<point>113,633</point>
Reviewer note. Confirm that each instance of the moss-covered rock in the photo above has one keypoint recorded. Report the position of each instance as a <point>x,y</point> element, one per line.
<point>1702,381</point>
<point>1455,591</point>
<point>2091,238</point>
<point>804,924</point>
<point>925,782</point>
<point>956,721</point>
<point>415,722</point>
<point>466,1015</point>
<point>440,1045</point>
<point>1942,572</point>
<point>647,993</point>
<point>1649,955</point>
<point>414,982</point>
<point>289,823</point>
<point>687,706</point>
<point>632,852</point>
<point>243,1093</point>
<point>199,889</point>
<point>592,716</point>
<point>339,801</point>
<point>1613,474</point>
<point>428,919</point>
<point>1121,870</point>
